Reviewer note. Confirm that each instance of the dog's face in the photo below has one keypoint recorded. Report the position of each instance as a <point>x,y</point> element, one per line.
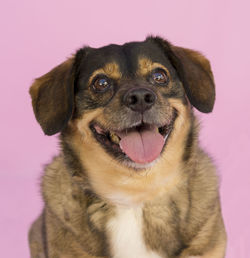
<point>128,104</point>
<point>131,84</point>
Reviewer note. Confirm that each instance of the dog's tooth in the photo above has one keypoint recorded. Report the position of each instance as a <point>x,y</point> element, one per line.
<point>114,138</point>
<point>165,138</point>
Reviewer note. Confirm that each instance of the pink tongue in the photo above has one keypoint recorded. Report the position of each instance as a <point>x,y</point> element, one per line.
<point>142,147</point>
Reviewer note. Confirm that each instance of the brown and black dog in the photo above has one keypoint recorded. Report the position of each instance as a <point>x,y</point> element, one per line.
<point>131,180</point>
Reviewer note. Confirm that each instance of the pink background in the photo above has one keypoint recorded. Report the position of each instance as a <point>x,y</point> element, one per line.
<point>37,35</point>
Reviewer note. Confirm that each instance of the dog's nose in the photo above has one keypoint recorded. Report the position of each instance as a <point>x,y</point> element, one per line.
<point>140,99</point>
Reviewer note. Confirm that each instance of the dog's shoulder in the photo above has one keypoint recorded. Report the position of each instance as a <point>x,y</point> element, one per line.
<point>69,206</point>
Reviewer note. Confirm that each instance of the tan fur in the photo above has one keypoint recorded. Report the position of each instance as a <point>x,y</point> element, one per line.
<point>110,69</point>
<point>146,66</point>
<point>110,180</point>
<point>174,204</point>
<point>118,185</point>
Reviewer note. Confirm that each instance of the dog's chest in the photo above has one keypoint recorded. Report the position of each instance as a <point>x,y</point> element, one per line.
<point>126,235</point>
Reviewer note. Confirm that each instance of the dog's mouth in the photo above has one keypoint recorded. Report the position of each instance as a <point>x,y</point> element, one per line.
<point>142,143</point>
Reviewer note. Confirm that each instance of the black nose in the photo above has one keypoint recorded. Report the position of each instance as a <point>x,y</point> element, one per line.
<point>140,99</point>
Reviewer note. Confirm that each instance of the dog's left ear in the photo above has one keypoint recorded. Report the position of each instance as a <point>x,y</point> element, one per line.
<point>53,97</point>
<point>195,73</point>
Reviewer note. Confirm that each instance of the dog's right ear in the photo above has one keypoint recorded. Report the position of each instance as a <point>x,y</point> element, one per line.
<point>53,94</point>
<point>53,97</point>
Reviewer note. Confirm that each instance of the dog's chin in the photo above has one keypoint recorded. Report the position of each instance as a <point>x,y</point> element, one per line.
<point>138,166</point>
<point>122,144</point>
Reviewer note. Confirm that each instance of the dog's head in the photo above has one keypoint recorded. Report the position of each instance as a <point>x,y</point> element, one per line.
<point>128,100</point>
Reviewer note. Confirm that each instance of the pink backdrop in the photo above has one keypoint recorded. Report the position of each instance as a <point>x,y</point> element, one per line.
<point>37,35</point>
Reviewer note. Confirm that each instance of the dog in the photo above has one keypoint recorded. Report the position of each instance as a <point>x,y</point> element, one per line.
<point>131,180</point>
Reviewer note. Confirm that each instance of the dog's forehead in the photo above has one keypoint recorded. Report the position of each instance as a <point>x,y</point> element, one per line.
<point>127,56</point>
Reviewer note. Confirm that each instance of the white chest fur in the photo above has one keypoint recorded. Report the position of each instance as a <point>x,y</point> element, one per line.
<point>126,235</point>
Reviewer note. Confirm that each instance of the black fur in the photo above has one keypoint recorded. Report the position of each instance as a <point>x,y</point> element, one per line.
<point>64,92</point>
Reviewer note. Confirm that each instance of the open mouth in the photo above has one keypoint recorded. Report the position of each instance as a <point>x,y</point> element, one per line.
<point>141,144</point>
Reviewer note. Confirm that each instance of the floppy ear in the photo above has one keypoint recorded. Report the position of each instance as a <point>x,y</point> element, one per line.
<point>195,73</point>
<point>53,97</point>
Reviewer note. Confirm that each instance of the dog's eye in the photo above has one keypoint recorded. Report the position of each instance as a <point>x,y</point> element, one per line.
<point>101,84</point>
<point>159,76</point>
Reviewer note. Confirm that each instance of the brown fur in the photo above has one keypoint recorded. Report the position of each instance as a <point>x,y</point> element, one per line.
<point>195,73</point>
<point>146,65</point>
<point>110,69</point>
<point>84,184</point>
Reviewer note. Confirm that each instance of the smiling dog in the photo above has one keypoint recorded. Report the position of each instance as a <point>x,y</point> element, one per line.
<point>131,180</point>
